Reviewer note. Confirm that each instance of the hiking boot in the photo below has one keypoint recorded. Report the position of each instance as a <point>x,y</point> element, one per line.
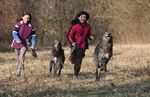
<point>33,53</point>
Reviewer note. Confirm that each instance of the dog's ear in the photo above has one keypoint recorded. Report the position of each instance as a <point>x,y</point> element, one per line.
<point>60,44</point>
<point>110,34</point>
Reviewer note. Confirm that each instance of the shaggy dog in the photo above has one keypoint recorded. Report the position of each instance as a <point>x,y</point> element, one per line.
<point>57,58</point>
<point>103,53</point>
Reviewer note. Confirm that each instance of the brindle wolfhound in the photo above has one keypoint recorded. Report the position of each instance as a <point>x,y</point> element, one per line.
<point>103,53</point>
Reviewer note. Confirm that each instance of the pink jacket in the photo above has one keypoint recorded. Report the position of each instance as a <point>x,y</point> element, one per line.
<point>22,32</point>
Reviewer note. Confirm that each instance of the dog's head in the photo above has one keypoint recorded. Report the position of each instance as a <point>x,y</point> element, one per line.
<point>107,36</point>
<point>57,44</point>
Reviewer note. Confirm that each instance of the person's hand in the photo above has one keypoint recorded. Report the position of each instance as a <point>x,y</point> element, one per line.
<point>31,47</point>
<point>91,37</point>
<point>19,41</point>
<point>73,44</point>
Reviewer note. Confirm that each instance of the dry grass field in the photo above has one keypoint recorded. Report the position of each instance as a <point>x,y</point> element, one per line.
<point>128,75</point>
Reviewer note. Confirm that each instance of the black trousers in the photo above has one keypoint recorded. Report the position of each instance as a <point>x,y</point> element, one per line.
<point>78,55</point>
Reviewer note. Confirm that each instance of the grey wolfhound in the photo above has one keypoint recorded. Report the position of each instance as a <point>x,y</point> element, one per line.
<point>103,53</point>
<point>57,58</point>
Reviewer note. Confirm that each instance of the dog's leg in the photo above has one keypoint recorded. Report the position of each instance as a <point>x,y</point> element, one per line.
<point>105,65</point>
<point>54,71</point>
<point>50,66</point>
<point>98,72</point>
<point>105,68</point>
<point>61,66</point>
<point>55,66</point>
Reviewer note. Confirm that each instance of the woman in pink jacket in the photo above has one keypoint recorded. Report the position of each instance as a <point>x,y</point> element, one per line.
<point>78,36</point>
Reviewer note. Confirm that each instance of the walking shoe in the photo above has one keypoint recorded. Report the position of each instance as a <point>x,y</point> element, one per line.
<point>75,77</point>
<point>18,73</point>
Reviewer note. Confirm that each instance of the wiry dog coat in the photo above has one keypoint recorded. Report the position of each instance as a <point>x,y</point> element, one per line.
<point>103,53</point>
<point>57,58</point>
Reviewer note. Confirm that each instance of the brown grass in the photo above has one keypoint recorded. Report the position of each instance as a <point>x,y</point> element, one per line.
<point>128,75</point>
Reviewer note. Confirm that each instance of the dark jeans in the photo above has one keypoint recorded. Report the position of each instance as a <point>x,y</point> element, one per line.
<point>77,56</point>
